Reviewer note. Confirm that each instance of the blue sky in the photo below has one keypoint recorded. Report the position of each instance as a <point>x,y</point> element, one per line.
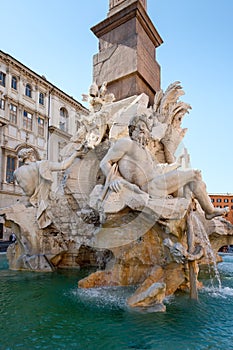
<point>53,38</point>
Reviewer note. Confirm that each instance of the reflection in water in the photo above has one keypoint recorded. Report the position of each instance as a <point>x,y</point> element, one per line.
<point>48,311</point>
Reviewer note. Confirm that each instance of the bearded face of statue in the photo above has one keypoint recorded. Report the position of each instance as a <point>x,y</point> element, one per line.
<point>141,134</point>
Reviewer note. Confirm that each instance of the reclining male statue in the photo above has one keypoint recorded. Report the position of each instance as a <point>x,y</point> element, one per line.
<point>136,165</point>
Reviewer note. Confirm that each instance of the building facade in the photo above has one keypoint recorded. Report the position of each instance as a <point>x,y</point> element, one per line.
<point>223,201</point>
<point>33,113</point>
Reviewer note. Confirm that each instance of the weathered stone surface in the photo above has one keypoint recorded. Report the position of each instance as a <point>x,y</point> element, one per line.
<point>137,262</point>
<point>125,204</point>
<point>153,296</point>
<point>118,5</point>
<point>127,42</point>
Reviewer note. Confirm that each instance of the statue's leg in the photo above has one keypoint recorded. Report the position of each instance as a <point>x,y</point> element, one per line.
<point>199,190</point>
<point>170,182</point>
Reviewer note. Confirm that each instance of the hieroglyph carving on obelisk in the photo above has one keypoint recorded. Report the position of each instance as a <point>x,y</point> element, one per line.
<point>114,3</point>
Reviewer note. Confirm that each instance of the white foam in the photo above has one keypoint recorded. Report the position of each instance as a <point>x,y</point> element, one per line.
<point>110,297</point>
<point>223,292</point>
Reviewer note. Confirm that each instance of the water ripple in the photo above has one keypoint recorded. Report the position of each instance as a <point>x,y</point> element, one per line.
<point>49,311</point>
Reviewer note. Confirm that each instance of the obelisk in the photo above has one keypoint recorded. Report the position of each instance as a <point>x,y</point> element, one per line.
<point>127,50</point>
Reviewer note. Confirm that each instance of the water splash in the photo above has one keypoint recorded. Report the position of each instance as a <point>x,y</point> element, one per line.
<point>208,251</point>
<point>103,297</point>
<point>223,293</point>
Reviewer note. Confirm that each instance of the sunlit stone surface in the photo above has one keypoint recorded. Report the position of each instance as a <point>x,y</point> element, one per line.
<point>128,202</point>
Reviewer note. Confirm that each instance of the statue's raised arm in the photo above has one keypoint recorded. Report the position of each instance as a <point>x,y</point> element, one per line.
<point>35,178</point>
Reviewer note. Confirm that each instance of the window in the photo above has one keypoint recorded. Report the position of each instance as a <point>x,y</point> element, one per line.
<point>2,104</point>
<point>219,206</point>
<point>232,207</point>
<point>28,90</point>
<point>41,126</point>
<point>225,200</point>
<point>231,200</point>
<point>13,113</point>
<point>41,98</point>
<point>27,120</point>
<point>212,200</point>
<point>63,125</point>
<point>14,83</point>
<point>2,78</point>
<point>219,200</point>
<point>10,168</point>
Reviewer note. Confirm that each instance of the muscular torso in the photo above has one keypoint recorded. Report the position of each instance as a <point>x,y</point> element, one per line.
<point>137,164</point>
<point>27,177</point>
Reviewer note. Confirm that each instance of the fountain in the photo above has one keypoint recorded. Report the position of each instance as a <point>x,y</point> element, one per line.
<point>128,202</point>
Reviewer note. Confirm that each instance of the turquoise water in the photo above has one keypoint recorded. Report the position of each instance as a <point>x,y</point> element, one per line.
<point>48,311</point>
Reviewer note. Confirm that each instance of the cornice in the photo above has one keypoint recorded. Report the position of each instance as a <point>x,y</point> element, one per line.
<point>9,60</point>
<point>9,149</point>
<point>69,99</point>
<point>54,130</point>
<point>135,10</point>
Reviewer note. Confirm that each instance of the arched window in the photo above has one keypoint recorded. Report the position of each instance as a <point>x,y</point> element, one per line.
<point>63,124</point>
<point>41,98</point>
<point>28,90</point>
<point>14,83</point>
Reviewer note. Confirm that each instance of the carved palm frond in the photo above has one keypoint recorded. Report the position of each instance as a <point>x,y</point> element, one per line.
<point>180,108</point>
<point>171,96</point>
<point>157,100</point>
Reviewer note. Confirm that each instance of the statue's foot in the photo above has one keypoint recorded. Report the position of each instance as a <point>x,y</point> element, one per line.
<point>217,212</point>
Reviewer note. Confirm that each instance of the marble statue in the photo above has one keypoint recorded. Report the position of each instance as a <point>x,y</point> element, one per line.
<point>35,178</point>
<point>137,166</point>
<point>169,112</point>
<point>128,202</point>
<point>97,121</point>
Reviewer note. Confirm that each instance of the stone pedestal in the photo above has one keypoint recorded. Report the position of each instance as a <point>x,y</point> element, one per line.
<point>126,58</point>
